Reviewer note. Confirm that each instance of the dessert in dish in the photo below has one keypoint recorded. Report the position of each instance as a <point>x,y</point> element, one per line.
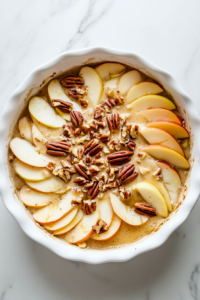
<point>100,156</point>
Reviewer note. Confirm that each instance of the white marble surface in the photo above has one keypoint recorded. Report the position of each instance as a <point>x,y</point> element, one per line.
<point>168,34</point>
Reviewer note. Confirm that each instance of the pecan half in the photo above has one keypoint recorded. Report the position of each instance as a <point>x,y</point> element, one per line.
<point>92,147</point>
<point>80,180</point>
<point>98,113</point>
<point>131,145</point>
<point>83,103</point>
<point>80,169</point>
<point>145,209</point>
<point>76,118</point>
<point>89,206</point>
<point>93,192</point>
<point>110,103</point>
<point>64,106</point>
<point>119,158</point>
<point>127,173</point>
<point>113,121</point>
<point>72,81</point>
<point>58,148</point>
<point>100,227</point>
<point>105,136</point>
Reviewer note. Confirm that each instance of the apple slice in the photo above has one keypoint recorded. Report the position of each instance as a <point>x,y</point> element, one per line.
<point>64,189</point>
<point>25,152</point>
<point>109,70</point>
<point>49,185</point>
<point>171,180</point>
<point>113,229</point>
<point>24,126</point>
<point>111,84</point>
<point>71,225</point>
<point>54,212</point>
<point>105,211</point>
<point>38,138</point>
<point>56,91</point>
<point>177,130</point>
<point>93,83</point>
<point>159,114</point>
<point>166,154</point>
<point>126,213</point>
<point>150,101</point>
<point>142,89</point>
<point>160,137</point>
<point>44,113</point>
<point>30,173</point>
<point>83,230</point>
<point>152,196</point>
<point>36,199</point>
<point>128,80</point>
<point>64,221</point>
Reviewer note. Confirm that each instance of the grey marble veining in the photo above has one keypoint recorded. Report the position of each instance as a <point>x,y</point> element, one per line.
<point>168,34</point>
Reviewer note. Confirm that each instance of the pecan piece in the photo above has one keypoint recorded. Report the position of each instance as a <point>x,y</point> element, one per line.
<point>93,192</point>
<point>80,153</point>
<point>62,105</point>
<point>145,209</point>
<point>127,173</point>
<point>89,206</point>
<point>72,81</point>
<point>119,157</point>
<point>68,131</point>
<point>100,227</point>
<point>98,113</point>
<point>110,103</point>
<point>83,103</point>
<point>93,171</point>
<point>80,180</point>
<point>76,93</point>
<point>76,118</point>
<point>131,145</point>
<point>105,137</point>
<point>113,121</point>
<point>124,194</point>
<point>80,169</point>
<point>58,148</point>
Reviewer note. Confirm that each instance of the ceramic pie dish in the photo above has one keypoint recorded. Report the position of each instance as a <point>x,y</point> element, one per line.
<point>31,85</point>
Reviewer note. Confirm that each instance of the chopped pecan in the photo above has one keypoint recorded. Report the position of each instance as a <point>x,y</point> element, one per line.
<point>92,147</point>
<point>124,194</point>
<point>88,206</point>
<point>111,172</point>
<point>67,166</point>
<point>101,123</point>
<point>100,162</point>
<point>89,185</point>
<point>93,125</point>
<point>127,173</point>
<point>98,113</point>
<point>142,155</point>
<point>51,166</point>
<point>76,202</point>
<point>88,160</point>
<point>93,170</point>
<point>76,118</point>
<point>103,187</point>
<point>100,227</point>
<point>119,99</point>
<point>119,157</point>
<point>86,128</point>
<point>62,105</point>
<point>72,81</point>
<point>80,180</point>
<point>77,93</point>
<point>58,148</point>
<point>110,103</point>
<point>113,145</point>
<point>105,137</point>
<point>83,103</point>
<point>113,184</point>
<point>113,121</point>
<point>133,131</point>
<point>77,131</point>
<point>80,169</point>
<point>80,153</point>
<point>94,190</point>
<point>68,131</point>
<point>131,145</point>
<point>145,209</point>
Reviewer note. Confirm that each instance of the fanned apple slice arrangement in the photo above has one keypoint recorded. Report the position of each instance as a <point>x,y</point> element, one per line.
<point>77,153</point>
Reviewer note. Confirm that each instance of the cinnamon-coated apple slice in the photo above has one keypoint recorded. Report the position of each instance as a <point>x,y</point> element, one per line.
<point>56,92</point>
<point>142,89</point>
<point>153,197</point>
<point>127,80</point>
<point>83,231</point>
<point>64,221</point>
<point>24,126</point>
<point>159,114</point>
<point>71,225</point>
<point>54,212</point>
<point>111,84</point>
<point>109,70</point>
<point>155,136</point>
<point>151,101</point>
<point>44,113</point>
<point>49,185</point>
<point>112,231</point>
<point>166,154</point>
<point>28,154</point>
<point>126,213</point>
<point>177,130</point>
<point>30,173</point>
<point>36,199</point>
<point>171,180</point>
<point>105,211</point>
<point>93,84</point>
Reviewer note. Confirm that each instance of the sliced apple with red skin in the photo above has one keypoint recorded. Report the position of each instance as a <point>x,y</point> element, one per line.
<point>127,80</point>
<point>153,197</point>
<point>71,225</point>
<point>36,199</point>
<point>112,231</point>
<point>159,114</point>
<point>177,130</point>
<point>64,221</point>
<point>30,173</point>
<point>49,185</point>
<point>56,92</point>
<point>24,126</point>
<point>151,101</point>
<point>108,70</point>
<point>111,84</point>
<point>44,113</point>
<point>166,154</point>
<point>93,84</point>
<point>54,212</point>
<point>155,136</point>
<point>27,153</point>
<point>83,231</point>
<point>142,89</point>
<point>171,180</point>
<point>126,213</point>
<point>105,211</point>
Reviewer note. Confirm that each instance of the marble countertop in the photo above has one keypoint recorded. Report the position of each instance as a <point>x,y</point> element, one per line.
<point>165,32</point>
